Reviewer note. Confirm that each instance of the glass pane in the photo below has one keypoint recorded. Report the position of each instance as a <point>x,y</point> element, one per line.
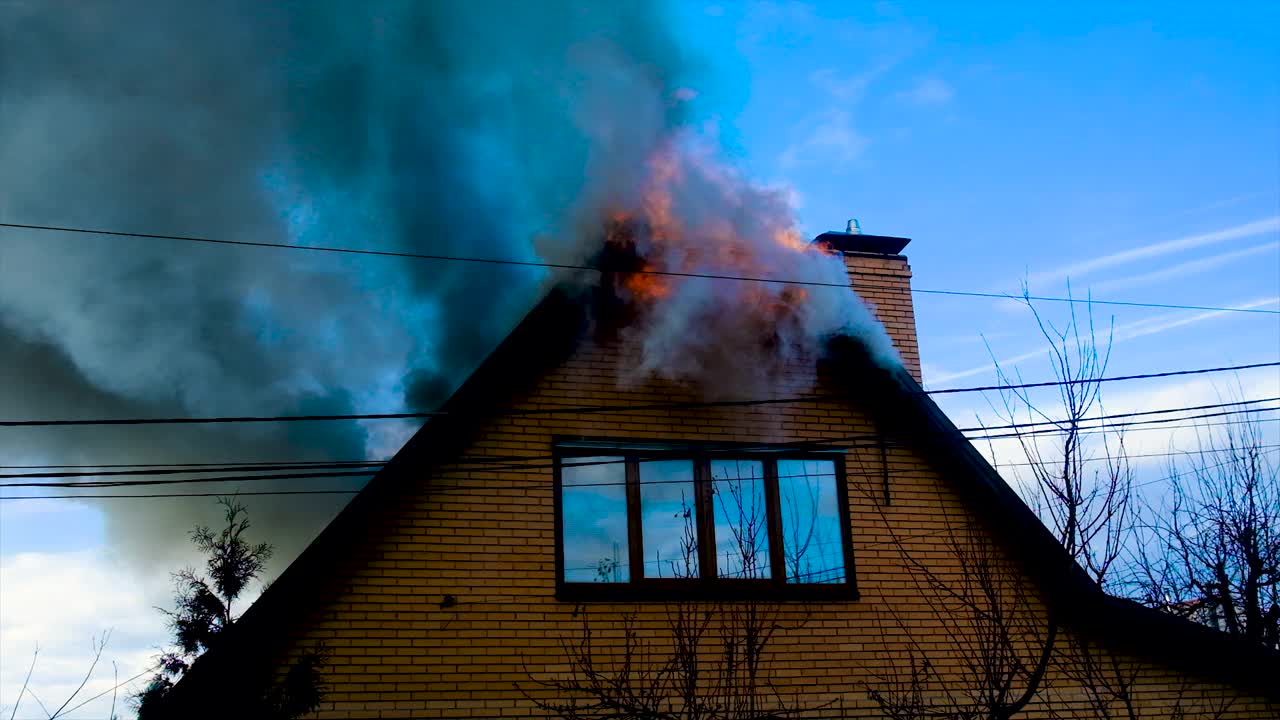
<point>668,520</point>
<point>742,522</point>
<point>593,507</point>
<point>812,541</point>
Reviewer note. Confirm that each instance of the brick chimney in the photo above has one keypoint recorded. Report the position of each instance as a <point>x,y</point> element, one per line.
<point>879,273</point>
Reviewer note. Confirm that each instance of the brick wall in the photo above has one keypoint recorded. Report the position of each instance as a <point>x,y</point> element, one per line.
<point>484,537</point>
<point>884,283</point>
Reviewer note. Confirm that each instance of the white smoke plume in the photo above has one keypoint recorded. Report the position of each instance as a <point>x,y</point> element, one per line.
<point>703,221</point>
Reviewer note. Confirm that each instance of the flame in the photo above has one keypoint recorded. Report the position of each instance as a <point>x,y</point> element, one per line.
<point>664,239</point>
<point>647,287</point>
<point>674,245</point>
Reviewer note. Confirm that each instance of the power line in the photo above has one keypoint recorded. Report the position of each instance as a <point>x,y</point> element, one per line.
<point>569,266</point>
<point>520,463</point>
<point>1086,425</point>
<point>218,420</point>
<point>272,463</point>
<point>1144,413</point>
<point>1086,301</point>
<point>827,444</point>
<point>178,495</point>
<point>608,408</point>
<point>1139,425</point>
<point>1196,470</point>
<point>353,492</point>
<point>1166,478</point>
<point>281,464</point>
<point>1085,381</point>
<point>219,478</point>
<point>190,471</point>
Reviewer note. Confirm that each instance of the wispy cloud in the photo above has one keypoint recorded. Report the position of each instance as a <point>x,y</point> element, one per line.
<point>849,87</point>
<point>1128,331</point>
<point>1168,247</point>
<point>1151,326</point>
<point>1236,200</point>
<point>928,91</point>
<point>1190,267</point>
<point>829,136</point>
<point>41,606</point>
<point>831,139</point>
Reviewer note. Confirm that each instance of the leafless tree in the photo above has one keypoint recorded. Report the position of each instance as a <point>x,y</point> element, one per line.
<point>1082,485</point>
<point>801,501</point>
<point>995,651</point>
<point>1112,685</point>
<point>99,644</point>
<point>997,642</point>
<point>1083,491</point>
<point>1211,548</point>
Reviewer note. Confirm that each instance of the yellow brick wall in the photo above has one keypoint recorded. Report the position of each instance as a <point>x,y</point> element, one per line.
<point>884,283</point>
<point>485,537</point>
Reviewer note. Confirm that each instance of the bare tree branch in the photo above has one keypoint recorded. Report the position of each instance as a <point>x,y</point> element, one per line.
<point>1211,551</point>
<point>25,682</point>
<point>1091,513</point>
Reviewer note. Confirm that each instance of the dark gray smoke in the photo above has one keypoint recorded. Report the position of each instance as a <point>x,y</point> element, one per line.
<point>487,129</point>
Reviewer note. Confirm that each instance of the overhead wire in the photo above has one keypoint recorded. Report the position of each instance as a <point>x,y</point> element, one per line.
<point>592,409</point>
<point>589,268</point>
<point>354,492</point>
<point>513,464</point>
<point>172,481</point>
<point>168,470</point>
<point>1083,424</point>
<point>135,496</point>
<point>249,468</point>
<point>207,464</point>
<point>219,466</point>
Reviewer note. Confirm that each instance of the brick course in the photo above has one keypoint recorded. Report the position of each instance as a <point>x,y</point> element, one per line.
<point>884,283</point>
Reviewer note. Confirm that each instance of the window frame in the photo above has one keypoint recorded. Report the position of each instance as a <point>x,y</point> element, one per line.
<point>707,586</point>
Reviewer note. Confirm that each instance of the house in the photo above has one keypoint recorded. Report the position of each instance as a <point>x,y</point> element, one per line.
<point>562,533</point>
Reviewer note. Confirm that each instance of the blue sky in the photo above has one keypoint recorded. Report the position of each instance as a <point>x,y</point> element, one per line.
<point>1011,139</point>
<point>1133,149</point>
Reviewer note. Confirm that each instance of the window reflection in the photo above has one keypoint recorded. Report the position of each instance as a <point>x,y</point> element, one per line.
<point>594,519</point>
<point>811,538</point>
<point>755,516</point>
<point>668,519</point>
<point>741,519</point>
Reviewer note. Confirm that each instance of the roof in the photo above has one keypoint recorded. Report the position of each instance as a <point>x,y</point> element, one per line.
<point>863,244</point>
<point>549,334</point>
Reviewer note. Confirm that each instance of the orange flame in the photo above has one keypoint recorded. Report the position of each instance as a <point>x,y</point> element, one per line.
<point>661,238</point>
<point>646,287</point>
<point>689,219</point>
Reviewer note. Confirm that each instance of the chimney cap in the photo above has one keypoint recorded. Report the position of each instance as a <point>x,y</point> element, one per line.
<point>858,243</point>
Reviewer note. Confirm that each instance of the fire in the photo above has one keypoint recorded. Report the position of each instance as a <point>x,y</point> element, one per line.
<point>645,286</point>
<point>791,238</point>
<point>664,236</point>
<point>673,248</point>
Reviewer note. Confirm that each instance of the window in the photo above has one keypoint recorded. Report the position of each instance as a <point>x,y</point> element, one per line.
<point>664,523</point>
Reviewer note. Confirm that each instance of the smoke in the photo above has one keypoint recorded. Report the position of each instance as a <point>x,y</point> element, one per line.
<point>703,221</point>
<point>497,130</point>
<point>431,127</point>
